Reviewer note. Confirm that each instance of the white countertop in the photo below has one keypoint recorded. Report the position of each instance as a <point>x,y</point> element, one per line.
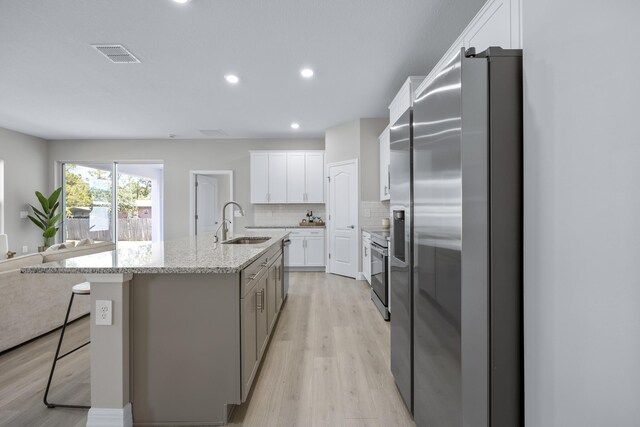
<point>189,255</point>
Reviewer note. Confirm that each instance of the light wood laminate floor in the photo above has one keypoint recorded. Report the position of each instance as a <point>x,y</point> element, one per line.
<point>327,365</point>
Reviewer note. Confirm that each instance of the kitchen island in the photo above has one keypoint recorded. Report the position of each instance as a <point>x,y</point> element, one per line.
<point>191,320</point>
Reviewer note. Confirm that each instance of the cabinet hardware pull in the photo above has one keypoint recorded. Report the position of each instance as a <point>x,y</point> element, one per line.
<point>259,301</point>
<point>262,298</point>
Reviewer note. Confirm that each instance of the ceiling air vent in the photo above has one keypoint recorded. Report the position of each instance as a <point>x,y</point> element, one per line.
<point>116,53</point>
<point>214,133</point>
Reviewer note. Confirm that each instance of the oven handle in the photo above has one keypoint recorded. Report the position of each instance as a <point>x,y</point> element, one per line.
<point>381,250</point>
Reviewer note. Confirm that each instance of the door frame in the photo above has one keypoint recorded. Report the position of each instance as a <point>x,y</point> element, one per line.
<point>328,200</point>
<point>192,194</point>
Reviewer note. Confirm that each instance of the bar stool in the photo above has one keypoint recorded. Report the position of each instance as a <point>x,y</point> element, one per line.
<point>83,288</point>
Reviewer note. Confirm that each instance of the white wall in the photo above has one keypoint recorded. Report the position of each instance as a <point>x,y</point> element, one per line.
<point>25,171</point>
<point>179,157</point>
<point>582,213</point>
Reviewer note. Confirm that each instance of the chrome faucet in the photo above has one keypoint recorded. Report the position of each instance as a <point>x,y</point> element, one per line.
<point>225,230</point>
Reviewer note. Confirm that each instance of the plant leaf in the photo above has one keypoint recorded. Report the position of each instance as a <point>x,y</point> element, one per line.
<point>54,197</point>
<point>54,207</point>
<point>53,221</point>
<point>42,217</point>
<point>43,201</point>
<point>49,232</point>
<point>36,222</point>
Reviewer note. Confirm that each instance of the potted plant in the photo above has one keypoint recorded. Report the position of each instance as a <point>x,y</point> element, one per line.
<point>47,219</point>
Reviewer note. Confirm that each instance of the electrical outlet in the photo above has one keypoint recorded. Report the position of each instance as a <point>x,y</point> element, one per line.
<point>104,312</point>
<point>25,249</point>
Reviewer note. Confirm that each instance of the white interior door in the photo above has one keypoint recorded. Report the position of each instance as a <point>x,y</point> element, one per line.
<point>343,222</point>
<point>207,212</point>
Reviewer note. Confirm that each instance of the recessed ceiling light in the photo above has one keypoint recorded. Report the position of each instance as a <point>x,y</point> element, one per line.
<point>307,73</point>
<point>181,1</point>
<point>232,78</point>
<point>295,126</point>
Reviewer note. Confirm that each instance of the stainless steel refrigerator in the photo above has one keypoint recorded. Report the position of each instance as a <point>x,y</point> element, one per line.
<point>456,247</point>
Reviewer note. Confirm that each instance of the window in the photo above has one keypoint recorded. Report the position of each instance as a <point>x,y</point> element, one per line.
<point>92,190</point>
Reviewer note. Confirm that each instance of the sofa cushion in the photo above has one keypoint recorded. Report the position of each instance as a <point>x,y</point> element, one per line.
<point>20,262</point>
<point>79,251</point>
<point>85,242</point>
<point>60,246</point>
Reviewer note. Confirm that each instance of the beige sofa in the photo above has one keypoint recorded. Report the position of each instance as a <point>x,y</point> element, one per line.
<point>34,304</point>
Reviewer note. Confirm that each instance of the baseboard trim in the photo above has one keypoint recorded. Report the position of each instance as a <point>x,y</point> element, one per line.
<point>360,276</point>
<point>302,269</point>
<point>110,417</point>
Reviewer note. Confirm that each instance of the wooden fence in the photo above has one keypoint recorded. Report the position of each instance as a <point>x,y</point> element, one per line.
<point>129,229</point>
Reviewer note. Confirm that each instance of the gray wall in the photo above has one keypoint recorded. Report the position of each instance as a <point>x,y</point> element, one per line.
<point>342,142</point>
<point>370,130</point>
<point>25,171</point>
<point>179,157</point>
<point>582,213</point>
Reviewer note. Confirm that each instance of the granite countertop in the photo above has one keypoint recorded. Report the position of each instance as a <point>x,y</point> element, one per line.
<point>284,226</point>
<point>189,255</point>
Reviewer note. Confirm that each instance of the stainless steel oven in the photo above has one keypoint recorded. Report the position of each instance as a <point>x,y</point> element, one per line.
<point>380,274</point>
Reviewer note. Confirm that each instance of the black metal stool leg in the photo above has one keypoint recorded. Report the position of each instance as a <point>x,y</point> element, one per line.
<point>57,357</point>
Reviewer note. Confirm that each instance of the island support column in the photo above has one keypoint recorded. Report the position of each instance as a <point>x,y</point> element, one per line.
<point>110,396</point>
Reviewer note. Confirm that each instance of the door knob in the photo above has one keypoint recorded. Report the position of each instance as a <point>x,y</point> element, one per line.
<point>352,227</point>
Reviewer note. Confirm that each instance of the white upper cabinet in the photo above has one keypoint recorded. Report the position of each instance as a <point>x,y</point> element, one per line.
<point>277,177</point>
<point>287,177</point>
<point>385,161</point>
<point>404,99</point>
<point>296,177</point>
<point>268,177</point>
<point>259,177</point>
<point>498,23</point>
<point>314,177</point>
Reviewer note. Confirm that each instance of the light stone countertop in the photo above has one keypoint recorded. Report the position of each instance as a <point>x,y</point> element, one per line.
<point>201,255</point>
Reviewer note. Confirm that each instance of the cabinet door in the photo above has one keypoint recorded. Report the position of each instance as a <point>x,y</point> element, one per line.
<point>249,341</point>
<point>314,251</point>
<point>385,157</point>
<point>295,178</point>
<point>277,177</point>
<point>271,296</point>
<point>314,177</point>
<point>262,324</point>
<point>279,283</point>
<point>259,170</point>
<point>366,259</point>
<point>296,251</point>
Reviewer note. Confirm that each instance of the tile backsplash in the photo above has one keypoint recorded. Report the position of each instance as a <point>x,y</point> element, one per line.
<point>290,214</point>
<point>372,213</point>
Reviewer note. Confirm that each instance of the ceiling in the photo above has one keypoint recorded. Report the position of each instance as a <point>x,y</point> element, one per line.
<point>54,85</point>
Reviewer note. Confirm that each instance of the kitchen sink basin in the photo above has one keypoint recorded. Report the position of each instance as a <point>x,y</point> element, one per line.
<point>246,240</point>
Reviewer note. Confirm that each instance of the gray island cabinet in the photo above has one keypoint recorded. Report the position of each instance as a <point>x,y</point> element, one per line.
<point>192,320</point>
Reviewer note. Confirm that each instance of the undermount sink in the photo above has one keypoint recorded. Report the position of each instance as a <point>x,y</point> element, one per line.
<point>246,240</point>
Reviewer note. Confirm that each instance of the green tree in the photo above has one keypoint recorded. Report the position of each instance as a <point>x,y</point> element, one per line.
<point>130,189</point>
<point>77,193</point>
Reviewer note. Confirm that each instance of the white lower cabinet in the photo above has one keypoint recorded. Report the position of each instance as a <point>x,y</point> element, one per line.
<point>314,251</point>
<point>307,248</point>
<point>366,256</point>
<point>296,251</point>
